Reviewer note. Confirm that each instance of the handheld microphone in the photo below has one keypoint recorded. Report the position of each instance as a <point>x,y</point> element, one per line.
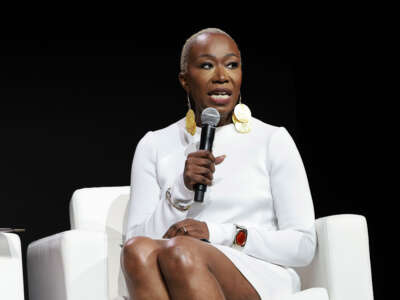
<point>209,120</point>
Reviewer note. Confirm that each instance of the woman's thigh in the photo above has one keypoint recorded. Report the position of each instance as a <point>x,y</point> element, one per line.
<point>234,285</point>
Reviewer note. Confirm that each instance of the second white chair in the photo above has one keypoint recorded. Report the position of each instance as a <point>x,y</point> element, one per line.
<point>11,273</point>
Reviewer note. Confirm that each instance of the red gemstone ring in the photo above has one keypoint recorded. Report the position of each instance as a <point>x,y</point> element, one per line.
<point>240,237</point>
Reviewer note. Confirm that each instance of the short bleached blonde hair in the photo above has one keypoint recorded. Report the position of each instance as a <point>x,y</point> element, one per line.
<point>190,41</point>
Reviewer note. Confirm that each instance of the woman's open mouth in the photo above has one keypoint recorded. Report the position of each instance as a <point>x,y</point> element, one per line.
<point>220,96</point>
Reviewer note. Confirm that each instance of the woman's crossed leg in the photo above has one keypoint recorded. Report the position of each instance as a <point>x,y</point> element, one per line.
<point>181,268</point>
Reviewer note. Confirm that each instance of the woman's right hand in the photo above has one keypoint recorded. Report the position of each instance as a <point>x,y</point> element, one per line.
<point>199,168</point>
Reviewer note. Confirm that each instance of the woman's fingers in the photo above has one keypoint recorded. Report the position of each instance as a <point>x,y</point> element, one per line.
<point>205,162</point>
<point>199,168</point>
<point>201,179</point>
<point>204,154</point>
<point>172,231</point>
<point>219,159</point>
<point>175,229</point>
<point>167,235</point>
<point>198,175</point>
<point>189,227</point>
<point>203,171</point>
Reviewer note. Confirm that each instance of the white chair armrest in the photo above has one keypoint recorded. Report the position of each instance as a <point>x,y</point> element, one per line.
<point>71,265</point>
<point>342,261</point>
<point>11,274</point>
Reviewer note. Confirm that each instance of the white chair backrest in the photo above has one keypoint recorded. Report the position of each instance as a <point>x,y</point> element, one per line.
<point>104,209</point>
<point>100,209</point>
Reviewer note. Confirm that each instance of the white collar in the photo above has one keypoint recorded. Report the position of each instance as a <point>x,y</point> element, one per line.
<point>191,139</point>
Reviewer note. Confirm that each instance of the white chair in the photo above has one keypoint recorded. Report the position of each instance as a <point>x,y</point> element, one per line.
<point>84,262</point>
<point>11,274</point>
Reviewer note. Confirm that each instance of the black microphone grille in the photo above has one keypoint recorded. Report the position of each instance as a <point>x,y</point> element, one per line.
<point>210,116</point>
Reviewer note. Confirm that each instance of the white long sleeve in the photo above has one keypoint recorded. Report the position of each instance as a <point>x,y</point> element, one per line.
<point>294,242</point>
<point>150,214</point>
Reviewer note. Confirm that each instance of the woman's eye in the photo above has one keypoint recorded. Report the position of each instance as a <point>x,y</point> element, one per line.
<point>233,65</point>
<point>206,66</point>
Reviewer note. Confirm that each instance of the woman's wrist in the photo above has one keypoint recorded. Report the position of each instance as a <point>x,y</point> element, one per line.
<point>222,234</point>
<point>179,196</point>
<point>178,204</point>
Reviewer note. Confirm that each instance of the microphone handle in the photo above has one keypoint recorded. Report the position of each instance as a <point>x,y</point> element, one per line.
<point>206,142</point>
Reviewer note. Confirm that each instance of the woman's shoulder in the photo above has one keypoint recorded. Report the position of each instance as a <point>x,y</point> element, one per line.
<point>164,136</point>
<point>274,135</point>
<point>168,131</point>
<point>265,129</point>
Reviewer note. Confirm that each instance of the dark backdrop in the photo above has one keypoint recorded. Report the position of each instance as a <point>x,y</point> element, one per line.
<point>72,112</point>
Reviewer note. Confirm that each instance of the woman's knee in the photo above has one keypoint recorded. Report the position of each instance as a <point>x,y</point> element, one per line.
<point>136,253</point>
<point>179,255</point>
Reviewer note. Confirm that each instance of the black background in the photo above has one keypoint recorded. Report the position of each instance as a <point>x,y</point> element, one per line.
<point>72,112</point>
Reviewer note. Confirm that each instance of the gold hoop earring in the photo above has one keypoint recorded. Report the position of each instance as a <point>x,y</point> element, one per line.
<point>241,117</point>
<point>190,119</point>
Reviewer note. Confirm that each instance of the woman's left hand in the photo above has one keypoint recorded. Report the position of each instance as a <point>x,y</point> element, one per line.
<point>188,227</point>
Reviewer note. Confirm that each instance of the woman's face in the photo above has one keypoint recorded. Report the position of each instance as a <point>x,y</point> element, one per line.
<point>214,74</point>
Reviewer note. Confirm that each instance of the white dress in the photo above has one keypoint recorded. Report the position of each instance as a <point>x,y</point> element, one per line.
<point>261,184</point>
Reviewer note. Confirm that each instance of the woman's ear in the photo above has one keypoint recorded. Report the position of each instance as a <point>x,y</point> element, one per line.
<point>183,80</point>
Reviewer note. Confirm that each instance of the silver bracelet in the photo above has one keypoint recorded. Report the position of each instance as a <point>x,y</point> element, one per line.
<point>174,203</point>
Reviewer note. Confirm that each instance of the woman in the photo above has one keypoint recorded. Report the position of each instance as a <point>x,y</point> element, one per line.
<point>257,217</point>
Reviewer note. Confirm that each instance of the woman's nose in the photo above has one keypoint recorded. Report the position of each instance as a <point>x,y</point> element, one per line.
<point>220,75</point>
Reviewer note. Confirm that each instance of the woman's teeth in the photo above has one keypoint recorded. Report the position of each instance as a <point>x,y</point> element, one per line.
<point>220,97</point>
